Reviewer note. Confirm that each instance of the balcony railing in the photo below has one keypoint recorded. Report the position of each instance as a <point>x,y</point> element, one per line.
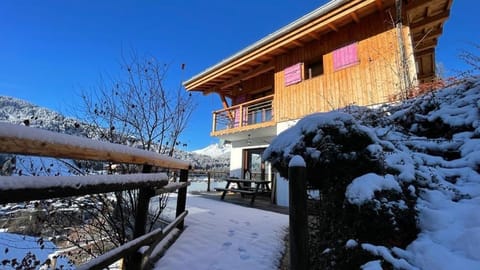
<point>246,114</point>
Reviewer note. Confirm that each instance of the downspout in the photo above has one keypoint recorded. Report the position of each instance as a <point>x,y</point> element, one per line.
<point>405,83</point>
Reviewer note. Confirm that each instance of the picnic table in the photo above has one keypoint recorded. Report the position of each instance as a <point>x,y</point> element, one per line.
<point>245,187</point>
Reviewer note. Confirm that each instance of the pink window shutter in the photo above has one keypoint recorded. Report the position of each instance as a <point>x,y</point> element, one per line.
<point>293,74</point>
<point>345,56</point>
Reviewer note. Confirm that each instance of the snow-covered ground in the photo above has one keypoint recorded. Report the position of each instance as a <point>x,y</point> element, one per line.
<point>221,235</point>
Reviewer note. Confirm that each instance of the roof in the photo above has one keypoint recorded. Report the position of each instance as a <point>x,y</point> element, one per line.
<point>425,18</point>
<point>282,31</point>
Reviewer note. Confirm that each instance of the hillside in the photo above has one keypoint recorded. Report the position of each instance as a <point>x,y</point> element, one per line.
<point>215,150</point>
<point>22,112</point>
<point>19,111</point>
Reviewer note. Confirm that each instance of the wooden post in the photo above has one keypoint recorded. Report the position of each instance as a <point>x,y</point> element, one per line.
<point>141,216</point>
<point>298,214</point>
<point>214,122</point>
<point>208,181</point>
<point>182,197</point>
<point>240,117</point>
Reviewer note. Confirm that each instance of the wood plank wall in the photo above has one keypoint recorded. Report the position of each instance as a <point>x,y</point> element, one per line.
<point>255,85</point>
<point>371,81</point>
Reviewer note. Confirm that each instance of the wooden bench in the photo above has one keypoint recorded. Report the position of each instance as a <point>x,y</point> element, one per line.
<point>243,191</point>
<point>244,187</point>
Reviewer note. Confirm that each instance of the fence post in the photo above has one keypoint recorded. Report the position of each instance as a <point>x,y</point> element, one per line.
<point>297,184</point>
<point>182,197</point>
<point>141,215</point>
<point>208,181</point>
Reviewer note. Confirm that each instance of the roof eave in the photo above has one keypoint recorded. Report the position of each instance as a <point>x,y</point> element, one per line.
<point>266,40</point>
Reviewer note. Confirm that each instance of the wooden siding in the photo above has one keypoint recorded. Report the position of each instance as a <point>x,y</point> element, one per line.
<point>371,81</point>
<point>255,85</point>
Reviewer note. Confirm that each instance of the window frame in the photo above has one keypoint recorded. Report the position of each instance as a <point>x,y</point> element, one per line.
<point>309,66</point>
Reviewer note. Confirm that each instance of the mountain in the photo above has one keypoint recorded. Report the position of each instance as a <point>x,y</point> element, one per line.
<point>19,111</point>
<point>215,150</point>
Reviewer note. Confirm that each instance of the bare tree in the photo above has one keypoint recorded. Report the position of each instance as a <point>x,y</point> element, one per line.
<point>138,110</point>
<point>472,60</point>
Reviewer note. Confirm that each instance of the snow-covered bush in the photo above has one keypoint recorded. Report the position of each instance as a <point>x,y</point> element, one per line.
<point>382,175</point>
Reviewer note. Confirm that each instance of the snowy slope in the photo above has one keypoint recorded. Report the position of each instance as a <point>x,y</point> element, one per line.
<point>215,150</point>
<point>22,112</point>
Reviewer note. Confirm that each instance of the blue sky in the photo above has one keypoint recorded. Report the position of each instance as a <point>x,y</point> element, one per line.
<point>50,50</point>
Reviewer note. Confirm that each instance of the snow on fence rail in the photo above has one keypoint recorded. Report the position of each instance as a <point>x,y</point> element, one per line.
<point>18,139</point>
<point>15,139</point>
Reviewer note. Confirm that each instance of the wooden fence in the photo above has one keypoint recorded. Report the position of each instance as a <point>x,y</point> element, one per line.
<point>15,139</point>
<point>211,176</point>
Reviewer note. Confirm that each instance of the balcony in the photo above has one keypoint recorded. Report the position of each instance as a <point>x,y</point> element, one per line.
<point>253,114</point>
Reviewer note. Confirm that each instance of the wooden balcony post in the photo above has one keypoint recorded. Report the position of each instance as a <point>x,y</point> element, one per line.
<point>240,117</point>
<point>214,122</point>
<point>182,197</point>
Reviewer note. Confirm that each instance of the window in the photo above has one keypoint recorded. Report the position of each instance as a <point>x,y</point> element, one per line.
<point>314,69</point>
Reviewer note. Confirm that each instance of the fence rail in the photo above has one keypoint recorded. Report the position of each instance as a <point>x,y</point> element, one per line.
<point>16,139</point>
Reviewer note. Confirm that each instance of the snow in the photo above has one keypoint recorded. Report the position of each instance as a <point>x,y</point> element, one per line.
<point>373,265</point>
<point>221,235</point>
<point>215,150</point>
<point>363,188</point>
<point>287,142</point>
<point>446,189</point>
<point>225,236</point>
<point>39,182</point>
<point>351,243</point>
<point>297,161</point>
<point>388,256</point>
<point>15,246</point>
<point>8,130</point>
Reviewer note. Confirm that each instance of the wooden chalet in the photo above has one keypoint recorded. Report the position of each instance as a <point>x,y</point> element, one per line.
<point>361,52</point>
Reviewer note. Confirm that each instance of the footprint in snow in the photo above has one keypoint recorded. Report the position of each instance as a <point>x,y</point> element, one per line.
<point>226,245</point>
<point>231,233</point>
<point>233,221</point>
<point>254,235</point>
<point>243,254</point>
<point>247,223</point>
<point>211,213</point>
